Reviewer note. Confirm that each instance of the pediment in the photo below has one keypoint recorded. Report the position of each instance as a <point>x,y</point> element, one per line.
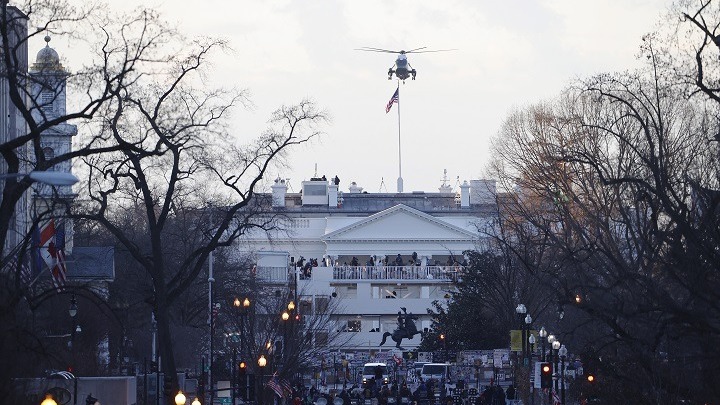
<point>400,223</point>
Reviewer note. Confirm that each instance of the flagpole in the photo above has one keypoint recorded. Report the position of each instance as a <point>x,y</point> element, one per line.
<point>399,180</point>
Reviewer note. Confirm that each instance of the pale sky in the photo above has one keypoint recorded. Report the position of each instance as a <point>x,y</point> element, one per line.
<point>509,54</point>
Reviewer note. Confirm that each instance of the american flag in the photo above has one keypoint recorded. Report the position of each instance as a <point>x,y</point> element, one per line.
<point>280,386</point>
<point>51,247</point>
<point>394,99</point>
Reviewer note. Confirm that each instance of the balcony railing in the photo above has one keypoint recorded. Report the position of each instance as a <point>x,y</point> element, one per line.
<point>272,274</point>
<point>444,273</point>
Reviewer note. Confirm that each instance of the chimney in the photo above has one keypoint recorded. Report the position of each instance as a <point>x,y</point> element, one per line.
<point>278,193</point>
<point>332,195</point>
<point>465,195</point>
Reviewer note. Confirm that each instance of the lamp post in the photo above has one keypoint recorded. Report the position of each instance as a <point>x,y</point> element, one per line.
<point>532,342</point>
<point>543,334</point>
<point>72,311</point>
<point>563,353</point>
<point>285,317</point>
<point>443,339</point>
<point>262,362</point>
<point>521,310</point>
<point>549,358</point>
<point>242,308</point>
<point>556,348</point>
<point>526,354</point>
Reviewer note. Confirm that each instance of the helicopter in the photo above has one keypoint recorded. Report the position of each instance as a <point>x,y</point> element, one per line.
<point>402,70</point>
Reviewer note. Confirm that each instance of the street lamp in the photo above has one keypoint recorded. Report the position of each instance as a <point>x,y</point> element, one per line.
<point>180,398</point>
<point>532,341</point>
<point>262,362</point>
<point>242,308</point>
<point>73,307</point>
<point>52,178</point>
<point>563,353</point>
<point>48,400</point>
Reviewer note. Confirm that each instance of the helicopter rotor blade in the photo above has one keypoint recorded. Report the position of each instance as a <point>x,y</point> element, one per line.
<point>434,50</point>
<point>416,49</point>
<point>368,49</point>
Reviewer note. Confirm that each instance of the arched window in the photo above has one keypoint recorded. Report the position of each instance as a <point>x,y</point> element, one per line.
<point>49,153</point>
<point>47,99</point>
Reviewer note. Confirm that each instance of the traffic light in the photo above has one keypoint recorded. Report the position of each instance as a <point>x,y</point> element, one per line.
<point>546,374</point>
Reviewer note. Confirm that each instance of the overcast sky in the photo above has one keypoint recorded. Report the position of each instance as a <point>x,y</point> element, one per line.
<point>509,54</point>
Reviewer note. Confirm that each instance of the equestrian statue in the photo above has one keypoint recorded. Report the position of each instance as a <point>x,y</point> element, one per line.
<point>406,328</point>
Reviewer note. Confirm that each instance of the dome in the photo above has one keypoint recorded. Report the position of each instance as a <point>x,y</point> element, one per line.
<point>47,56</point>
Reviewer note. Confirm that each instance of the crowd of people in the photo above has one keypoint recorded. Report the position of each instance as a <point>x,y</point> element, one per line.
<point>431,392</point>
<point>306,267</point>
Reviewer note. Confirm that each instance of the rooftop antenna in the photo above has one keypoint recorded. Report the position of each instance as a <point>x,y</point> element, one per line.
<point>444,187</point>
<point>382,185</point>
<point>315,175</point>
<point>287,182</point>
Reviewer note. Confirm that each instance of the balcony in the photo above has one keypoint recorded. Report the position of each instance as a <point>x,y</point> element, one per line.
<point>273,275</point>
<point>441,274</point>
<point>353,274</point>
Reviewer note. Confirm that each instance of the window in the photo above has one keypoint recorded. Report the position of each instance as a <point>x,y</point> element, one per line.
<point>321,305</point>
<point>48,152</point>
<point>315,189</point>
<point>46,101</point>
<point>354,325</point>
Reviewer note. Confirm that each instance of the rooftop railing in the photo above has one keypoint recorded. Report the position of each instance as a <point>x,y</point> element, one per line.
<point>438,273</point>
<point>445,273</point>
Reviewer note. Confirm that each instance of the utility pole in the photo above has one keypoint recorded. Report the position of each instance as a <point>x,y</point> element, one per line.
<point>211,322</point>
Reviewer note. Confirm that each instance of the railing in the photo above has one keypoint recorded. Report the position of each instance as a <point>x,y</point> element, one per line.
<point>272,274</point>
<point>446,273</point>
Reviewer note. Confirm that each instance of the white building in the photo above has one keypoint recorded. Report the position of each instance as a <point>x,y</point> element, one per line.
<point>356,238</point>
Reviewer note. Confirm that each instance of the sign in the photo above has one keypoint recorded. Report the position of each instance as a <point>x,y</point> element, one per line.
<point>516,339</point>
<point>223,389</point>
<point>535,378</point>
<point>424,357</point>
<point>497,358</point>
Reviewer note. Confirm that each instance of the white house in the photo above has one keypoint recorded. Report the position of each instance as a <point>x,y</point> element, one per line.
<point>376,252</point>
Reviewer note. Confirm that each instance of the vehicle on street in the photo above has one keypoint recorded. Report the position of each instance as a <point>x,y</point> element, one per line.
<point>378,371</point>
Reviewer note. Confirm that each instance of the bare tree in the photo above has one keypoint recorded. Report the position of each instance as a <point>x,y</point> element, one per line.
<point>177,165</point>
<point>610,179</point>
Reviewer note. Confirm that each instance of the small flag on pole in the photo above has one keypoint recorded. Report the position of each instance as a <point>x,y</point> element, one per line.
<point>52,247</point>
<point>394,99</point>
